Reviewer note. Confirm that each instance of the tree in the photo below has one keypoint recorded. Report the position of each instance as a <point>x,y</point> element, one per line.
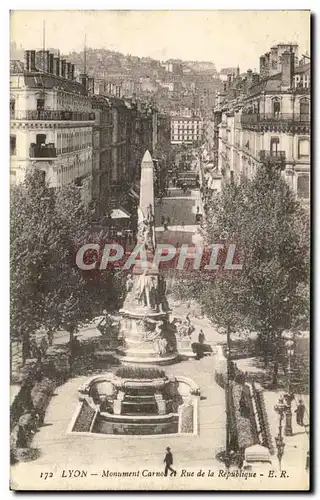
<point>48,290</point>
<point>268,225</point>
<point>265,221</point>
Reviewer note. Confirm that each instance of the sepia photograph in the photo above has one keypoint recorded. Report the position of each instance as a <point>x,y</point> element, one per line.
<point>160,250</point>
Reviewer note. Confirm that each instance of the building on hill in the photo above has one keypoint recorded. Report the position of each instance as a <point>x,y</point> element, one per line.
<point>51,121</point>
<point>225,72</point>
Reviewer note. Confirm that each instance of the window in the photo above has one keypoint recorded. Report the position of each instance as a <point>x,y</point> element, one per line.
<point>40,139</point>
<point>274,145</point>
<point>12,107</point>
<point>40,104</point>
<point>303,186</point>
<point>304,109</point>
<point>13,176</point>
<point>13,145</point>
<point>276,107</point>
<point>304,148</point>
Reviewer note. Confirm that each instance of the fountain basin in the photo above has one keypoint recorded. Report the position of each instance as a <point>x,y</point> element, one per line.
<point>117,406</point>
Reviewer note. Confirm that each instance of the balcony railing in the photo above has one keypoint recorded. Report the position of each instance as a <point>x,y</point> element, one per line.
<point>272,156</point>
<point>274,118</point>
<point>43,151</point>
<point>48,114</point>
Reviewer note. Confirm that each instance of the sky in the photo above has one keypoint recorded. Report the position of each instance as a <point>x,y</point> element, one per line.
<point>227,38</point>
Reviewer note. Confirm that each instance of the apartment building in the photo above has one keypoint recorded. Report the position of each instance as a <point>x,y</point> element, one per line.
<point>186,129</point>
<point>51,121</point>
<point>270,122</point>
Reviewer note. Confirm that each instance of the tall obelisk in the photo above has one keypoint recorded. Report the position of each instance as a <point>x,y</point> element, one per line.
<point>145,328</point>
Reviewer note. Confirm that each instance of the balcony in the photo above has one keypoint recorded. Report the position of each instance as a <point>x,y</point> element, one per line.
<point>51,115</point>
<point>42,151</point>
<point>277,158</point>
<point>282,121</point>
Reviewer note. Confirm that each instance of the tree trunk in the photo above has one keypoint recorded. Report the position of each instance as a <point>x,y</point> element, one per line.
<point>71,350</point>
<point>276,360</point>
<point>25,347</point>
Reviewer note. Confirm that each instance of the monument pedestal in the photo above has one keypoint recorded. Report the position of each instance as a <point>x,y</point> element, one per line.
<point>146,339</point>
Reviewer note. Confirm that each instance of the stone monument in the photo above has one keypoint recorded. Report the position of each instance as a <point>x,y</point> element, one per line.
<point>145,329</point>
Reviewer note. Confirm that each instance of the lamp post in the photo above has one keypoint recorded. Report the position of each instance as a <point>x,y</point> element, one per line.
<point>280,408</point>
<point>289,346</point>
<point>228,430</point>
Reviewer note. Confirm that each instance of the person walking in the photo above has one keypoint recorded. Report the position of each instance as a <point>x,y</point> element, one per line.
<point>168,459</point>
<point>300,411</point>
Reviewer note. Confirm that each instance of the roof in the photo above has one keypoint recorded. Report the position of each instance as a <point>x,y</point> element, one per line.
<point>303,69</point>
<point>119,213</point>
<point>271,83</point>
<point>49,81</point>
<point>196,118</point>
<point>100,100</point>
<point>226,71</point>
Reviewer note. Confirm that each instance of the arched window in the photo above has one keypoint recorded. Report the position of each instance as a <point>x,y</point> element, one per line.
<point>304,109</point>
<point>303,186</point>
<point>276,107</point>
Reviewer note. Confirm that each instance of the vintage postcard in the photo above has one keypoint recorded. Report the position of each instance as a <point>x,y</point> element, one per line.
<point>160,250</point>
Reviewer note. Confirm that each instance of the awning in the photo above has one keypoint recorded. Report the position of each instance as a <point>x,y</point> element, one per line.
<point>119,213</point>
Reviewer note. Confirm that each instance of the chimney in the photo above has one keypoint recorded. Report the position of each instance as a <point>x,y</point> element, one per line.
<point>72,71</point>
<point>287,69</point>
<point>263,67</point>
<point>83,80</point>
<point>90,85</point>
<point>51,64</point>
<point>69,71</point>
<point>56,65</point>
<point>32,60</point>
<point>255,78</point>
<point>63,68</point>
<point>249,78</point>
<point>267,63</point>
<point>27,60</point>
<point>47,61</point>
<point>273,67</point>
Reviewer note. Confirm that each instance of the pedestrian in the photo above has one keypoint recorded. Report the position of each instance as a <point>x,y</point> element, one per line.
<point>162,220</point>
<point>300,411</point>
<point>168,459</point>
<point>201,337</point>
<point>308,461</point>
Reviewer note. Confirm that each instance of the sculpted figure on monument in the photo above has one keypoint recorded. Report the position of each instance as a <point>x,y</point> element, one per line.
<point>145,229</point>
<point>147,291</point>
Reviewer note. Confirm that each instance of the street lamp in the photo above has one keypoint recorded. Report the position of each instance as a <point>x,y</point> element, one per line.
<point>280,408</point>
<point>289,344</point>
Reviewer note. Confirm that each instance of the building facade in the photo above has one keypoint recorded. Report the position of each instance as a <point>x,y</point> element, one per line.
<point>51,122</point>
<point>123,130</point>
<point>186,129</point>
<point>269,122</point>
